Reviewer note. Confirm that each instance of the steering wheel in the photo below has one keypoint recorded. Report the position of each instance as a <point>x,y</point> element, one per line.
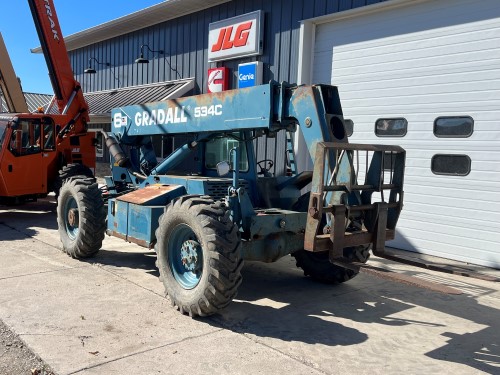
<point>263,169</point>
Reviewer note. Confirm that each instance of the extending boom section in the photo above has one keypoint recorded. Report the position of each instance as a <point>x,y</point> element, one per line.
<point>67,90</point>
<point>9,83</point>
<point>271,107</point>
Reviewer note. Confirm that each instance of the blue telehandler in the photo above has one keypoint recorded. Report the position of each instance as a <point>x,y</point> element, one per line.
<point>210,204</point>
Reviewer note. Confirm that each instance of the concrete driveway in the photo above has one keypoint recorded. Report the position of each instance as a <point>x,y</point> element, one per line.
<point>108,315</point>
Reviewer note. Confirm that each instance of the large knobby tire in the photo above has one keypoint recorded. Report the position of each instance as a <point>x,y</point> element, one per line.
<point>81,217</point>
<point>198,251</point>
<point>317,265</point>
<point>68,171</point>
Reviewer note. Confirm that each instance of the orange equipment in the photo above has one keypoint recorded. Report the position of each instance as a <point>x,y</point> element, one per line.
<point>39,150</point>
<point>11,88</point>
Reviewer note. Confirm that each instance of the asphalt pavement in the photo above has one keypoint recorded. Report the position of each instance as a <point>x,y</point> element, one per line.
<point>108,315</point>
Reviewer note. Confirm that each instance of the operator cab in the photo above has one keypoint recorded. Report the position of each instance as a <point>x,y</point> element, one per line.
<point>31,135</point>
<point>265,189</point>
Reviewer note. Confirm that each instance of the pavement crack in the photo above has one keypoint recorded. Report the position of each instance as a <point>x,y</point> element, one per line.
<point>310,364</point>
<point>143,351</point>
<point>236,328</point>
<point>43,272</point>
<point>127,280</point>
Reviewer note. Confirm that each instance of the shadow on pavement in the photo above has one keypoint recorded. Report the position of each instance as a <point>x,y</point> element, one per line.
<point>480,349</point>
<point>293,308</point>
<point>140,259</point>
<point>18,222</point>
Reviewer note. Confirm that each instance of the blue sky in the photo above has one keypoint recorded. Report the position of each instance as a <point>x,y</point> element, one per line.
<point>20,36</point>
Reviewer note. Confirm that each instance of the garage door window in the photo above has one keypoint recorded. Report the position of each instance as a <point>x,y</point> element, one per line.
<point>451,165</point>
<point>391,127</point>
<point>453,127</point>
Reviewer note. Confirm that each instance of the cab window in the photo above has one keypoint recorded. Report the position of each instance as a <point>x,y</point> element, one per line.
<point>32,136</point>
<point>3,127</point>
<point>219,149</point>
<point>48,135</point>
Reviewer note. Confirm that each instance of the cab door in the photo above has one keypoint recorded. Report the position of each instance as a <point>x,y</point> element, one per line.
<point>22,167</point>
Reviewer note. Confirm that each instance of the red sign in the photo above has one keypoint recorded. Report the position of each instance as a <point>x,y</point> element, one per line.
<point>218,79</point>
<point>239,40</point>
<point>235,37</point>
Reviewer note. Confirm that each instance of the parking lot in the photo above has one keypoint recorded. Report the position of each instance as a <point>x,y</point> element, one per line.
<point>108,315</point>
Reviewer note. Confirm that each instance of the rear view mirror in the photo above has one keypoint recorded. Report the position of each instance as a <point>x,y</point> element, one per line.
<point>223,168</point>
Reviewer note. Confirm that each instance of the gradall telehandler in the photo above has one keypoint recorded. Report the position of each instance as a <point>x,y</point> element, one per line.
<point>38,151</point>
<point>211,204</point>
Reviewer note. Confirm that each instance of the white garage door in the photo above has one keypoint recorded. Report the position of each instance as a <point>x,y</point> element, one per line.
<point>431,65</point>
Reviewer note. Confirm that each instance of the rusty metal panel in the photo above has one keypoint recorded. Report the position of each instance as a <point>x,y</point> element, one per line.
<point>148,194</point>
<point>341,205</point>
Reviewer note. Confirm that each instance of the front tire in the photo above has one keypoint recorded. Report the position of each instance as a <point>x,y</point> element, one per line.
<point>198,250</point>
<point>81,217</point>
<point>317,265</point>
<point>68,171</point>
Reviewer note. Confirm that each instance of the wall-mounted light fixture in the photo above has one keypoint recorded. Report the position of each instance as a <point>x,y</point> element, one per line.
<point>142,59</point>
<point>91,70</point>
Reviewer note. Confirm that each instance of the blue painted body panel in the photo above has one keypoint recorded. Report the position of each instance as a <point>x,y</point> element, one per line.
<point>118,216</point>
<point>231,110</point>
<point>143,222</point>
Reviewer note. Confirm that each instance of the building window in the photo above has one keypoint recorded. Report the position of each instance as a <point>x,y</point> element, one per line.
<point>391,127</point>
<point>451,165</point>
<point>349,127</point>
<point>453,127</point>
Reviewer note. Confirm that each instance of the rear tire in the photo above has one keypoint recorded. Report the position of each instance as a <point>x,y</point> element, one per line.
<point>81,217</point>
<point>198,250</point>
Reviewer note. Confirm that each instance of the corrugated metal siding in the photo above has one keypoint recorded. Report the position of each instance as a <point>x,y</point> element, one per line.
<point>184,41</point>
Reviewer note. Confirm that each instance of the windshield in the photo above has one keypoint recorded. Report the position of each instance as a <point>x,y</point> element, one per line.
<point>219,149</point>
<point>2,133</point>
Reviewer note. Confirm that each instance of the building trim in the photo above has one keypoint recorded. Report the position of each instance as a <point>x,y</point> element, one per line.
<point>367,9</point>
<point>141,19</point>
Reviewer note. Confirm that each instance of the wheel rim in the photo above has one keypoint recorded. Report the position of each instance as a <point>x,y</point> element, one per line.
<point>185,256</point>
<point>71,218</point>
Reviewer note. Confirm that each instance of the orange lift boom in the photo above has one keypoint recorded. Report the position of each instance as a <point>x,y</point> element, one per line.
<point>11,88</point>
